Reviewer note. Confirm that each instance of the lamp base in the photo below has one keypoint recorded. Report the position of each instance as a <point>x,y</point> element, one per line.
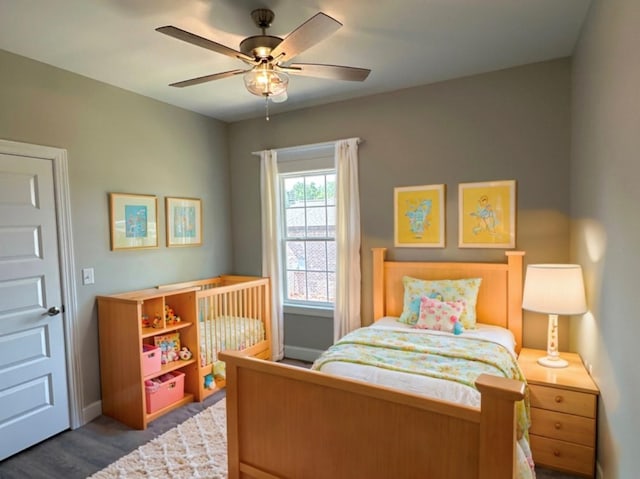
<point>550,362</point>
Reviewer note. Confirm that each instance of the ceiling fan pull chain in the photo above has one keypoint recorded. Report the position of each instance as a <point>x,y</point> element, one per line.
<point>266,105</point>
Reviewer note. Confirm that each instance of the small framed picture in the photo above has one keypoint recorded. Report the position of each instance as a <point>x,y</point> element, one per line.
<point>133,221</point>
<point>419,216</point>
<point>487,214</point>
<point>184,221</point>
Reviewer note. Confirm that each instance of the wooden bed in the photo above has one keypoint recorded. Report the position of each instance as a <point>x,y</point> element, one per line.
<point>288,422</point>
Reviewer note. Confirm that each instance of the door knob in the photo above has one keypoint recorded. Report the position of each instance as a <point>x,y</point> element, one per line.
<point>52,311</point>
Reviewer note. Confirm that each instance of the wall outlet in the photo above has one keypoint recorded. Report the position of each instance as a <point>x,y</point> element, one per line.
<point>87,276</point>
<point>590,369</point>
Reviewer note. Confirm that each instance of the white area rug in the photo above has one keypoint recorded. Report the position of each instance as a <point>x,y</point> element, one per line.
<point>197,448</point>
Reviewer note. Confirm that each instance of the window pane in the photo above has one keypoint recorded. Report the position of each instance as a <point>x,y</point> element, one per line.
<point>331,255</point>
<point>296,285</point>
<point>295,255</point>
<point>317,222</point>
<point>293,192</point>
<point>332,287</point>
<point>315,191</point>
<point>309,217</point>
<point>331,189</point>
<point>317,287</point>
<point>316,256</point>
<point>331,219</point>
<point>295,223</point>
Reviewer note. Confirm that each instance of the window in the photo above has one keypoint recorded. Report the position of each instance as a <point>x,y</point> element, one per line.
<point>309,225</point>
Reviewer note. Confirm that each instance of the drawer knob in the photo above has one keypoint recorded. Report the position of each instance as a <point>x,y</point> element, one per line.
<point>556,453</point>
<point>557,425</point>
<point>558,399</point>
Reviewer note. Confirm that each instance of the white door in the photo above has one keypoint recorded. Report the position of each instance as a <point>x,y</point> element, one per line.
<point>34,402</point>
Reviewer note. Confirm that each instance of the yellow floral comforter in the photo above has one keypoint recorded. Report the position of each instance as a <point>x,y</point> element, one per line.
<point>446,357</point>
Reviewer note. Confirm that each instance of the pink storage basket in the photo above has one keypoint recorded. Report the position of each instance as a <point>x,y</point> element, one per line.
<point>167,392</point>
<point>150,359</point>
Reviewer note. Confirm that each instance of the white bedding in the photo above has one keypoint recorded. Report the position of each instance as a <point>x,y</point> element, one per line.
<point>423,385</point>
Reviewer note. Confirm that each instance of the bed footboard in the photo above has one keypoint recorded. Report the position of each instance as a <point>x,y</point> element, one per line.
<point>290,422</point>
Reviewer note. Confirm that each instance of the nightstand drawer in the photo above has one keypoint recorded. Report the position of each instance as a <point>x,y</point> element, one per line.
<point>566,427</point>
<point>563,455</point>
<point>562,400</point>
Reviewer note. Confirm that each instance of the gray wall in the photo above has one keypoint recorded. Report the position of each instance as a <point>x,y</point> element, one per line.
<point>606,230</point>
<point>510,124</point>
<point>120,142</point>
<point>307,335</point>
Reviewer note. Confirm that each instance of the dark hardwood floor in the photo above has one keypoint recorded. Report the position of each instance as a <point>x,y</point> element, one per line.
<point>82,452</point>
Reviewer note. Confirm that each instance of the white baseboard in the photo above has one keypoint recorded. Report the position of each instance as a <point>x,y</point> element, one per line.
<point>303,354</point>
<point>599,473</point>
<point>91,412</point>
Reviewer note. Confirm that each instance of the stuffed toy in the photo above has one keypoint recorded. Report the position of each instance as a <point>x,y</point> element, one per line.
<point>157,322</point>
<point>184,353</point>
<point>170,316</point>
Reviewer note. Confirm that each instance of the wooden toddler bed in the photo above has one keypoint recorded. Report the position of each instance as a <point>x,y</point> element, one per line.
<point>288,422</point>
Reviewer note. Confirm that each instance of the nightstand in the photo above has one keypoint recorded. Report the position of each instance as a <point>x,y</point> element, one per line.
<point>564,408</point>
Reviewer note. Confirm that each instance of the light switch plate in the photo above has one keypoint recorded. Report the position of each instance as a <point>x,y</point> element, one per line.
<point>87,276</point>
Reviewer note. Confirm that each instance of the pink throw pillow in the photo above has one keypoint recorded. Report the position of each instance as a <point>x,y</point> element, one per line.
<point>440,315</point>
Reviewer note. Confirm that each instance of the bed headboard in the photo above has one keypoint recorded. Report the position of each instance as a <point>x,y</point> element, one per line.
<point>499,298</point>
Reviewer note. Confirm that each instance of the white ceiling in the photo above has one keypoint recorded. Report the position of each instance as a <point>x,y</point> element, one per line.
<point>404,42</point>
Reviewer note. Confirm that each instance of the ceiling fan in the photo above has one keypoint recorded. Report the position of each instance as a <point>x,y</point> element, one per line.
<point>268,55</point>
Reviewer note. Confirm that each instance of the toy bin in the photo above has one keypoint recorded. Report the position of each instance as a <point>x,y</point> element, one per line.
<point>164,390</point>
<point>150,359</point>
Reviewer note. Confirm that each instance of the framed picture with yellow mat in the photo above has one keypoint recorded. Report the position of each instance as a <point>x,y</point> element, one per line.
<point>419,216</point>
<point>487,214</point>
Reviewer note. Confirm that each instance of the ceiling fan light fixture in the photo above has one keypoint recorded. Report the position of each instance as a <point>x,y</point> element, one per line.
<point>264,81</point>
<point>282,97</point>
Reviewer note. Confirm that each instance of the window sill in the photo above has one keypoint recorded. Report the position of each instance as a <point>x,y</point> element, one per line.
<point>308,311</point>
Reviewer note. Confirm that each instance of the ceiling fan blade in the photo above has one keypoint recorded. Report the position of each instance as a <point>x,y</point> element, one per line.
<point>188,37</point>
<point>207,78</point>
<point>332,72</point>
<point>317,28</point>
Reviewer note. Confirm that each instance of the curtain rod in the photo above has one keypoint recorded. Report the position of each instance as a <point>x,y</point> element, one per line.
<point>305,147</point>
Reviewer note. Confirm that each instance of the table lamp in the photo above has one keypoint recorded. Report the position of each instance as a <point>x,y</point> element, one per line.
<point>554,289</point>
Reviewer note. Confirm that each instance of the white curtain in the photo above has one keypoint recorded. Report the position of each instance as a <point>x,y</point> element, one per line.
<point>271,240</point>
<point>346,314</point>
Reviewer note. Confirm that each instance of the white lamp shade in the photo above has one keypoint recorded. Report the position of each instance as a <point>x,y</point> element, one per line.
<point>554,289</point>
